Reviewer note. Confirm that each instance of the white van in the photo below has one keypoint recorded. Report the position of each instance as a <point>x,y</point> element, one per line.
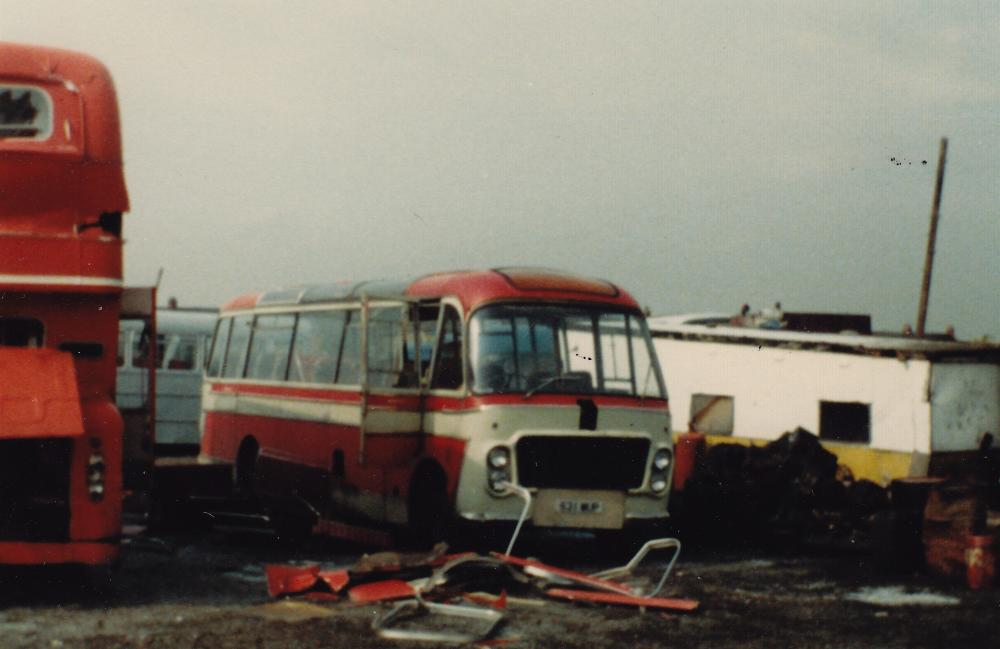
<point>182,339</point>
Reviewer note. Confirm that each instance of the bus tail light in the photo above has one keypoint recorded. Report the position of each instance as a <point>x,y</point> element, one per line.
<point>95,471</point>
<point>498,466</point>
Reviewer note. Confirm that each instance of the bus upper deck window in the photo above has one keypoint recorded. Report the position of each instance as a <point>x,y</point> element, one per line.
<point>21,332</point>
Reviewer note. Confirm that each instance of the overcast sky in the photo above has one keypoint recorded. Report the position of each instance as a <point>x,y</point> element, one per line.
<point>700,154</point>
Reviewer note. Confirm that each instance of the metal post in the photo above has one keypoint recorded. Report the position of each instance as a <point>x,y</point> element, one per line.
<point>925,287</point>
<point>364,379</point>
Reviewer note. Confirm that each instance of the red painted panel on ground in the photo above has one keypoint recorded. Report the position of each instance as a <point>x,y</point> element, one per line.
<point>665,603</point>
<point>380,591</point>
<point>335,579</point>
<point>285,580</point>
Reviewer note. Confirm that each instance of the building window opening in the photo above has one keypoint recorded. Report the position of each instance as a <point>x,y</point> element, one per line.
<point>843,421</point>
<point>711,414</point>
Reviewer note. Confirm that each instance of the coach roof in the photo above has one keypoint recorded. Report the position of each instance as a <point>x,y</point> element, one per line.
<point>471,287</point>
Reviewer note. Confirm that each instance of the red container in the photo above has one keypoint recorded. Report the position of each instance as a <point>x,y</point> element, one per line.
<point>980,561</point>
<point>687,450</point>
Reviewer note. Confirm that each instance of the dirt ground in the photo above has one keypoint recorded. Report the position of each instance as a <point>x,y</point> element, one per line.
<point>209,591</point>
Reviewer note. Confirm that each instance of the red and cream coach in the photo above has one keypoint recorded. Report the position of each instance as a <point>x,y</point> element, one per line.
<point>407,404</point>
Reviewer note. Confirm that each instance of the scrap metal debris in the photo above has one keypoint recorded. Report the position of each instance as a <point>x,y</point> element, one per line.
<point>286,580</point>
<point>380,591</point>
<point>669,604</point>
<point>462,598</point>
<point>388,626</point>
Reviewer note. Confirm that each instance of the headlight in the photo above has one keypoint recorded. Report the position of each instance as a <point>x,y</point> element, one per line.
<point>496,477</point>
<point>658,483</point>
<point>662,459</point>
<point>498,467</point>
<point>498,457</point>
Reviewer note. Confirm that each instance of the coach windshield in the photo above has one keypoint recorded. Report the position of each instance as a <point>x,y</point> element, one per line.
<point>534,348</point>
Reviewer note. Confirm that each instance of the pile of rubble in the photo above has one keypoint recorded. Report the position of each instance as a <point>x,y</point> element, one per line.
<point>787,489</point>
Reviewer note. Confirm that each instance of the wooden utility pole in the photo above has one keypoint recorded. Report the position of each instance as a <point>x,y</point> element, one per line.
<point>925,287</point>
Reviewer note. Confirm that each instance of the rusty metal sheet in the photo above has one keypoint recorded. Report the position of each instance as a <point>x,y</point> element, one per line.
<point>545,571</point>
<point>397,561</point>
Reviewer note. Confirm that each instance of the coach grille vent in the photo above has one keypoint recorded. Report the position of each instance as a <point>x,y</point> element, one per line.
<point>581,462</point>
<point>34,489</point>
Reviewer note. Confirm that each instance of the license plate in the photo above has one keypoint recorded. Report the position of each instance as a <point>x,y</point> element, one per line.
<point>579,506</point>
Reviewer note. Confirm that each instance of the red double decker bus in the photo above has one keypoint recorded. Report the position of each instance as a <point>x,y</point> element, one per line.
<point>410,404</point>
<point>62,195</point>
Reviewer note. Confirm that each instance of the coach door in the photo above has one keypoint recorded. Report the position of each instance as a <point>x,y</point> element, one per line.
<point>396,340</point>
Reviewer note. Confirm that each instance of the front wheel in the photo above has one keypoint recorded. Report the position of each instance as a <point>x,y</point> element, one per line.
<point>246,468</point>
<point>430,513</point>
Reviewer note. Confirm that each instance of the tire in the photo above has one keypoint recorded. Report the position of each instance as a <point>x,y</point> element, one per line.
<point>430,513</point>
<point>95,581</point>
<point>246,468</point>
<point>293,529</point>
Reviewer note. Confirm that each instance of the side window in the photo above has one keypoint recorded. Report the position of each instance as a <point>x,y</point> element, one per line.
<point>236,352</point>
<point>386,334</point>
<point>181,356</point>
<point>648,379</point>
<point>142,350</point>
<point>349,372</point>
<point>124,337</point>
<point>428,316</point>
<point>219,343</point>
<point>272,338</point>
<point>317,346</point>
<point>711,414</point>
<point>448,363</point>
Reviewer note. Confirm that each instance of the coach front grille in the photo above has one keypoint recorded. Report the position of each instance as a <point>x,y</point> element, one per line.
<point>577,462</point>
<point>34,489</point>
